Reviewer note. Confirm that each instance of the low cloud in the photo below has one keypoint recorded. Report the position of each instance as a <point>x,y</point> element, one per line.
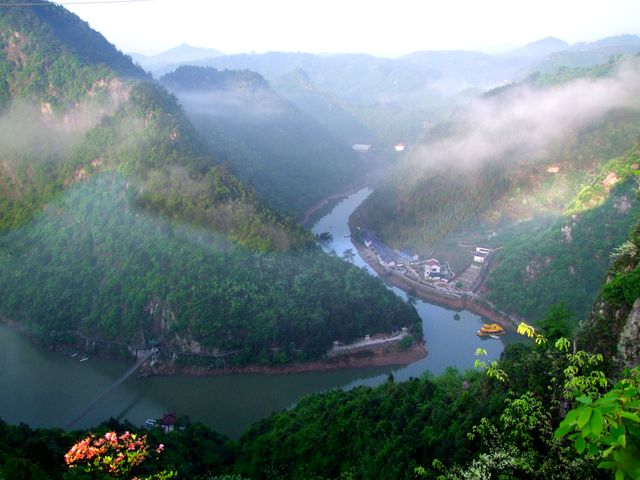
<point>523,122</point>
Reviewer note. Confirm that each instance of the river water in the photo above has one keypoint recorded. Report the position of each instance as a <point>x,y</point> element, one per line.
<point>46,389</point>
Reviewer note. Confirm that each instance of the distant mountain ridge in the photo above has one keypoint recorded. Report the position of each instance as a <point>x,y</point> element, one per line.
<point>539,48</point>
<point>181,54</point>
<point>396,99</point>
<point>289,156</point>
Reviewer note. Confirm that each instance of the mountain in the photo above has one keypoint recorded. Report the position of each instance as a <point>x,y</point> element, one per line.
<point>181,54</point>
<point>329,110</point>
<point>119,229</point>
<point>291,158</point>
<point>615,41</point>
<point>586,55</point>
<point>505,172</point>
<point>540,48</point>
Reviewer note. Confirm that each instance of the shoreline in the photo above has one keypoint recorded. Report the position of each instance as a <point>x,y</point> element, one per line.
<point>386,355</point>
<point>309,212</point>
<point>373,358</point>
<point>466,300</point>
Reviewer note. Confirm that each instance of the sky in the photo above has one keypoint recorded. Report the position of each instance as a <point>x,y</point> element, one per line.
<point>384,28</point>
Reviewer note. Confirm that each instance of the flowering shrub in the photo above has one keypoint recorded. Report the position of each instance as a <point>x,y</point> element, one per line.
<point>112,455</point>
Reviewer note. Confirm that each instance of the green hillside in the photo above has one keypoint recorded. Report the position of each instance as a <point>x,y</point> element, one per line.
<point>446,198</point>
<point>120,226</point>
<point>292,159</point>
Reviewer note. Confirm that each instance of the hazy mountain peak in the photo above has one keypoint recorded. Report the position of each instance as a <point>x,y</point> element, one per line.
<point>540,48</point>
<point>181,54</point>
<point>626,40</point>
<point>193,78</point>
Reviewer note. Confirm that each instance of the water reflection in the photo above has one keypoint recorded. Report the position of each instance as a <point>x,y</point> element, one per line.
<point>48,389</point>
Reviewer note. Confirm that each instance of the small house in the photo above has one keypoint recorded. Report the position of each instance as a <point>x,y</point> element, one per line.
<point>168,421</point>
<point>480,254</point>
<point>432,268</point>
<point>360,147</point>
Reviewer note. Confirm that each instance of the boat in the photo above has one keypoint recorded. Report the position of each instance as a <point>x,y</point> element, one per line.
<point>84,358</point>
<point>74,355</point>
<point>494,336</point>
<point>491,329</point>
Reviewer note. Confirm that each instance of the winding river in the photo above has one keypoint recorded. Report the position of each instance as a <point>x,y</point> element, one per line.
<point>46,389</point>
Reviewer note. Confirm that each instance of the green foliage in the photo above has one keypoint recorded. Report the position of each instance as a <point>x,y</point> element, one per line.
<point>193,451</point>
<point>520,444</point>
<point>624,288</point>
<point>53,56</point>
<point>384,432</point>
<point>290,158</point>
<point>557,323</point>
<point>608,427</point>
<point>406,342</point>
<point>492,370</point>
<point>548,266</point>
<point>433,207</point>
<point>95,264</point>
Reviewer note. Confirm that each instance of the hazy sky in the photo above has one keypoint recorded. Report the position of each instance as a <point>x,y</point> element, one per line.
<point>390,28</point>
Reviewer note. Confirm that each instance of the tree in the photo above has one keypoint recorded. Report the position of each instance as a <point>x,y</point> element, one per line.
<point>324,237</point>
<point>349,255</point>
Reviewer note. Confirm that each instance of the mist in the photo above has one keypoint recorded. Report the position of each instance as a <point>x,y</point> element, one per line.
<point>231,103</point>
<point>520,124</point>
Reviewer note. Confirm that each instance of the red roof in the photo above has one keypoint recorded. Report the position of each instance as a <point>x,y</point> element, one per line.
<point>168,419</point>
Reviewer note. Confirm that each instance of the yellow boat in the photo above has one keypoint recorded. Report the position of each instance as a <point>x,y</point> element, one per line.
<point>491,329</point>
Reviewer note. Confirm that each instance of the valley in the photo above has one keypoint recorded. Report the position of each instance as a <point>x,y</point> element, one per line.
<point>330,243</point>
<point>227,403</point>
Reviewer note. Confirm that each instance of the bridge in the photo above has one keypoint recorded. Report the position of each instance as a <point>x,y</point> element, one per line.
<point>111,388</point>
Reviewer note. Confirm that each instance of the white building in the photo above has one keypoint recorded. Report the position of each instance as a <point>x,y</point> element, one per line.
<point>480,254</point>
<point>360,147</point>
<point>432,268</point>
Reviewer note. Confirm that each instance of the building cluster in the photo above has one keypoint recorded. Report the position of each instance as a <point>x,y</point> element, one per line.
<point>406,263</point>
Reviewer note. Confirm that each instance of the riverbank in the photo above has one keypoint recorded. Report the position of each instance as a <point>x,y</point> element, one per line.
<point>326,201</point>
<point>376,357</point>
<point>461,300</point>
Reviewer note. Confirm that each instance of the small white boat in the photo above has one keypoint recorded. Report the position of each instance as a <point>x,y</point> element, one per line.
<point>74,355</point>
<point>84,358</point>
<point>494,336</point>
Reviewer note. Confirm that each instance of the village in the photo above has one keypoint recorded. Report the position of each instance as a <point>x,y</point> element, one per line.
<point>428,272</point>
<point>434,280</point>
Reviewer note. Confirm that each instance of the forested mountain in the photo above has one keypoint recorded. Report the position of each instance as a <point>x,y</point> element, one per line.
<point>391,97</point>
<point>543,411</point>
<point>509,172</point>
<point>584,55</point>
<point>398,98</point>
<point>327,109</point>
<point>121,228</point>
<point>292,159</point>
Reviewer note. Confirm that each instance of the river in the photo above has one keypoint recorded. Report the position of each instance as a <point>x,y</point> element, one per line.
<point>46,389</point>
